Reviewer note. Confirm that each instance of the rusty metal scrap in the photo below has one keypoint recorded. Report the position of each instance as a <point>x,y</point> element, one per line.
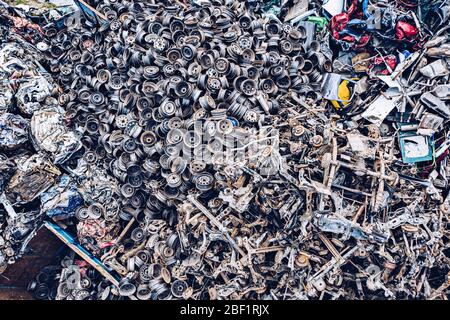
<point>234,149</point>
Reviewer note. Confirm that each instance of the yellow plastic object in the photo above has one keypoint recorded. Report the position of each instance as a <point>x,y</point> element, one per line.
<point>344,95</point>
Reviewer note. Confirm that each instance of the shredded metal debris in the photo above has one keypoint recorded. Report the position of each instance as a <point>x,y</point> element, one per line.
<point>229,149</point>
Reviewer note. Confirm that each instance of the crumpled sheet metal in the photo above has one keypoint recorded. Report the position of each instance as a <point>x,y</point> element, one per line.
<point>61,200</point>
<point>96,185</point>
<point>7,168</point>
<point>102,232</point>
<point>364,24</point>
<point>22,73</point>
<point>50,133</point>
<point>27,169</point>
<point>15,234</point>
<point>6,95</point>
<point>31,94</point>
<point>13,131</point>
<point>34,175</point>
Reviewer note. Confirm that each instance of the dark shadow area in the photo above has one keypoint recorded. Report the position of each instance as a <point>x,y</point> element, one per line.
<point>41,252</point>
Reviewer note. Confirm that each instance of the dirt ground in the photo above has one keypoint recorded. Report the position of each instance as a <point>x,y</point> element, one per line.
<point>14,281</point>
<point>14,294</point>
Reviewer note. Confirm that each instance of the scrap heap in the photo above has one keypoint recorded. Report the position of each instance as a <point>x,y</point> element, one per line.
<point>232,150</point>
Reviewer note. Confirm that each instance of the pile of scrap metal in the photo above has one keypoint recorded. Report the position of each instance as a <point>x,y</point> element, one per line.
<point>72,279</point>
<point>33,141</point>
<point>243,150</point>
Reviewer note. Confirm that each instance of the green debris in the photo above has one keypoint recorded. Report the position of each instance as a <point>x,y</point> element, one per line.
<point>321,22</point>
<point>272,7</point>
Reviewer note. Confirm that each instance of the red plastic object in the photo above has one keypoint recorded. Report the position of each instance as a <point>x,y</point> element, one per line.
<point>405,30</point>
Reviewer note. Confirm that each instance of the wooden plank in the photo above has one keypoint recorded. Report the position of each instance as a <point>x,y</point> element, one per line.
<point>70,242</point>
